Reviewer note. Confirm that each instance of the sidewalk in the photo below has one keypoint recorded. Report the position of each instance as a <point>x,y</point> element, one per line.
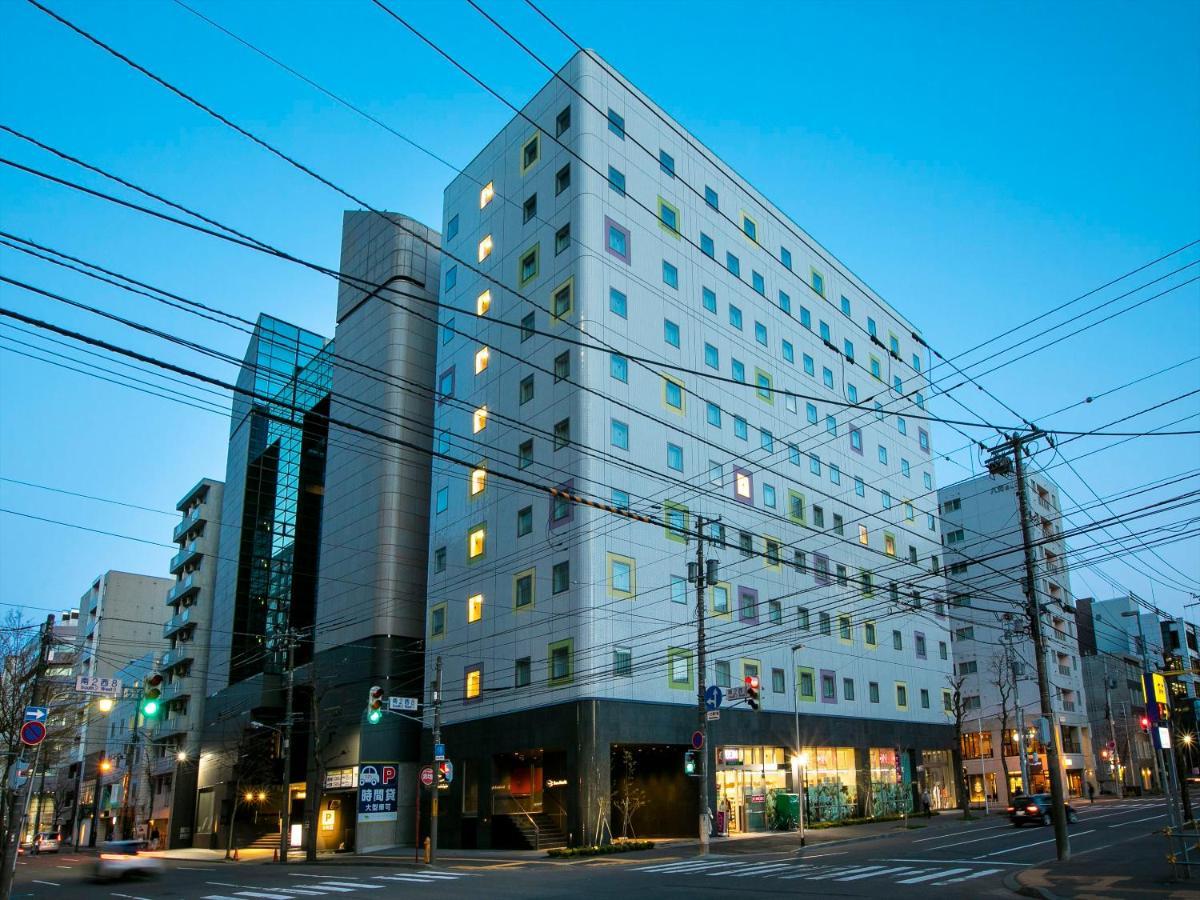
<point>1133,868</point>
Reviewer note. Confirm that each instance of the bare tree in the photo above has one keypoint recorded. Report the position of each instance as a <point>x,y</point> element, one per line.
<point>629,796</point>
<point>958,707</point>
<point>252,767</point>
<point>1002,679</point>
<point>22,653</point>
<point>322,727</point>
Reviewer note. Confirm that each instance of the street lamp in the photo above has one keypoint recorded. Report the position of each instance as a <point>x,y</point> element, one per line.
<point>105,704</point>
<point>798,760</point>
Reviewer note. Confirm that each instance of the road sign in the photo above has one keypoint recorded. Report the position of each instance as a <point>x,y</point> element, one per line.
<point>402,704</point>
<point>33,733</point>
<point>712,697</point>
<point>377,792</point>
<point>427,776</point>
<point>89,684</point>
<point>713,715</point>
<point>439,752</point>
<point>697,740</point>
<point>36,713</point>
<point>735,693</point>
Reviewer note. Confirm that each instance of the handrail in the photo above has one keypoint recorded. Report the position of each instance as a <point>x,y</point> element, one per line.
<point>537,832</point>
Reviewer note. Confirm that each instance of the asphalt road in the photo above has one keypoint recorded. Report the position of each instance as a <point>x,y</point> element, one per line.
<point>949,858</point>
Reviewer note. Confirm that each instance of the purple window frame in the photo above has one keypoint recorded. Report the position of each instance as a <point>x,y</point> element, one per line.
<point>832,676</point>
<point>473,667</point>
<point>856,432</point>
<point>919,642</point>
<point>553,523</point>
<point>820,562</point>
<point>744,592</point>
<point>624,257</point>
<point>749,501</point>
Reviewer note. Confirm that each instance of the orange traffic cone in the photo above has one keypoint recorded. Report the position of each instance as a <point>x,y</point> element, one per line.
<point>275,855</point>
<point>235,854</point>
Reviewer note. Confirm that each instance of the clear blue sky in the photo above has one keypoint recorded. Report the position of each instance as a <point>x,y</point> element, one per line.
<point>975,163</point>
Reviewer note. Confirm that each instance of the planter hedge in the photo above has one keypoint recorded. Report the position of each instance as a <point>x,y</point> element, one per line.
<point>616,847</point>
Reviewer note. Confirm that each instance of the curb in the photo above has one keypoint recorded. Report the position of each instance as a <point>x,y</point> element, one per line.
<point>1012,881</point>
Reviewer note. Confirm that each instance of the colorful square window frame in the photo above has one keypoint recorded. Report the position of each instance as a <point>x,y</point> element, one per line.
<point>621,576</point>
<point>617,241</point>
<point>553,650</point>
<point>529,265</point>
<point>668,218</point>
<point>676,521</point>
<point>673,389</point>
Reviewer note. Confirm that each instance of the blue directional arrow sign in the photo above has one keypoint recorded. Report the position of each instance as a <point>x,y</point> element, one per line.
<point>713,698</point>
<point>36,713</point>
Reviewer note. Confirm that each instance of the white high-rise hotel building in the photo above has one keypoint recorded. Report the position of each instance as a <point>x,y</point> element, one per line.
<point>626,318</point>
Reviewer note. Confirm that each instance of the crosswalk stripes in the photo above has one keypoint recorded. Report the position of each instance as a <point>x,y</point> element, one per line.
<point>916,872</point>
<point>329,886</point>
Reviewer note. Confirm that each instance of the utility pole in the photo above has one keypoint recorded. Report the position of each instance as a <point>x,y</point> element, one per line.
<point>1114,755</point>
<point>285,819</point>
<point>130,761</point>
<point>1019,710</point>
<point>1062,843</point>
<point>702,573</point>
<point>437,770</point>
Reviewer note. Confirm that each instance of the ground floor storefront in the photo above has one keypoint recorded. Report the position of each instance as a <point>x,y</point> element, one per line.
<point>592,768</point>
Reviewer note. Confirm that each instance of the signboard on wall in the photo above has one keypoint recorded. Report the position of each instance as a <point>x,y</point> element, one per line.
<point>341,779</point>
<point>377,792</point>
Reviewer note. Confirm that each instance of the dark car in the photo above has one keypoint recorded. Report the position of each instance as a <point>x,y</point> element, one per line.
<point>1036,808</point>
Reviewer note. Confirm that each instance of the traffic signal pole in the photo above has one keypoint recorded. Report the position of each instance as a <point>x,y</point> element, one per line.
<point>437,770</point>
<point>705,827</point>
<point>285,819</point>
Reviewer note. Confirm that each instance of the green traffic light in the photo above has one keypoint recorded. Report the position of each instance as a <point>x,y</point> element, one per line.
<point>150,708</point>
<point>374,716</point>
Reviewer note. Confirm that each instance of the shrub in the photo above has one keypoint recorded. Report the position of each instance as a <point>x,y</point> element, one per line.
<point>619,846</point>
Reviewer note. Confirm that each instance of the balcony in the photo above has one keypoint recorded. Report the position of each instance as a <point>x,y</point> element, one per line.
<point>184,556</point>
<point>188,522</point>
<point>176,655</point>
<point>176,690</point>
<point>1064,670</point>
<point>182,588</point>
<point>178,622</point>
<point>1068,705</point>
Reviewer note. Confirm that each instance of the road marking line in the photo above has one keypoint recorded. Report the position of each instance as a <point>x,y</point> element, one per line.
<point>832,873</point>
<point>876,870</point>
<point>307,875</point>
<point>941,837</point>
<point>309,892</point>
<point>1012,832</point>
<point>690,864</point>
<point>64,867</point>
<point>1034,844</point>
<point>223,883</point>
<point>978,874</point>
<point>130,896</point>
<point>51,883</point>
<point>974,862</point>
<point>193,869</point>
<point>1135,821</point>
<point>819,855</point>
<point>219,897</point>
<point>352,884</point>
<point>423,879</point>
<point>942,873</point>
<point>264,895</point>
<point>757,870</point>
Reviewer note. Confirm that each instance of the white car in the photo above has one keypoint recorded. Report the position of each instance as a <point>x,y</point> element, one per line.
<point>45,842</point>
<point>119,859</point>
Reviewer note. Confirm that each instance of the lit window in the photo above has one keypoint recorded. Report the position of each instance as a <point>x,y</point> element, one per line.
<point>475,607</point>
<point>479,420</point>
<point>889,544</point>
<point>478,480</point>
<point>743,485</point>
<point>486,195</point>
<point>474,677</point>
<point>481,359</point>
<point>476,541</point>
<point>483,303</point>
<point>485,248</point>
<point>863,537</point>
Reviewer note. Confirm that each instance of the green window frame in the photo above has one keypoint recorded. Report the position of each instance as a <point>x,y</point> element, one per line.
<point>677,656</point>
<point>528,576</point>
<point>676,515</point>
<point>668,212</point>
<point>531,151</point>
<point>530,258</point>
<point>806,684</point>
<point>613,561</point>
<point>567,644</point>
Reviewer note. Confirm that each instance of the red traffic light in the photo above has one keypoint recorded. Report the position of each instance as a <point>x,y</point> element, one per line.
<point>1146,724</point>
<point>752,691</point>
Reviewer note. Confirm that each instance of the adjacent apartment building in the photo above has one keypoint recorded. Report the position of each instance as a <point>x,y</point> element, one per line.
<point>992,645</point>
<point>628,321</point>
<point>175,747</point>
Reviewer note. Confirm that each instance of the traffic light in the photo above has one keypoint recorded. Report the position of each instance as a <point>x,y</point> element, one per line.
<point>152,695</point>
<point>375,705</point>
<point>752,692</point>
<point>1145,724</point>
<point>689,762</point>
